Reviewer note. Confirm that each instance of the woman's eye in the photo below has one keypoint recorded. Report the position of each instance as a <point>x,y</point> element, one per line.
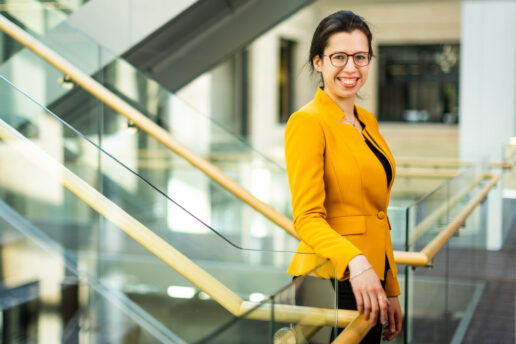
<point>339,57</point>
<point>361,57</point>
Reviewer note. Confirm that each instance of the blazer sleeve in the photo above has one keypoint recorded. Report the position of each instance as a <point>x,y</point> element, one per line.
<point>304,153</point>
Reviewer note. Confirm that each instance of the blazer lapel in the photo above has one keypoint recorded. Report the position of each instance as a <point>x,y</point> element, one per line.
<point>376,139</point>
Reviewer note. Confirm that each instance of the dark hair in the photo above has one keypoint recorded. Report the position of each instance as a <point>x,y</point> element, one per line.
<point>341,21</point>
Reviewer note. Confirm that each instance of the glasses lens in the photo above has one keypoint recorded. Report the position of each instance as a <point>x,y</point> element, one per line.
<point>361,59</point>
<point>339,59</point>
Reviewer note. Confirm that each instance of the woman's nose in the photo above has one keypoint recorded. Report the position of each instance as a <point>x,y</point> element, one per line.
<point>350,65</point>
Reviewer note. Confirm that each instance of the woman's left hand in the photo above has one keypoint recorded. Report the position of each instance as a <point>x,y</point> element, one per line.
<point>393,328</point>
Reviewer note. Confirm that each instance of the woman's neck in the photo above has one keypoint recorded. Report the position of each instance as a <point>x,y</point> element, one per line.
<point>346,105</point>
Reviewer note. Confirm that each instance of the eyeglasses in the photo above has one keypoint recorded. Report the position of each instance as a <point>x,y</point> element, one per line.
<point>340,59</point>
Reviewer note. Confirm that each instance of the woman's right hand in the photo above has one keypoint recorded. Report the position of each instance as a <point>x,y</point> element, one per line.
<point>367,288</point>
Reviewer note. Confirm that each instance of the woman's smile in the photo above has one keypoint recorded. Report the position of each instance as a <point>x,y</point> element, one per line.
<point>348,82</point>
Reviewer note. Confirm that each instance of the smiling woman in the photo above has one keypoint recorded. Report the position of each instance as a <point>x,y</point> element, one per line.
<point>340,173</point>
<point>342,76</point>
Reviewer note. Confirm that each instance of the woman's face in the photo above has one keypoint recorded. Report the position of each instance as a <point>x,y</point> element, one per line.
<point>343,83</point>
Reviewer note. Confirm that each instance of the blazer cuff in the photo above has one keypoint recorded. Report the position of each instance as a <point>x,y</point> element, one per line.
<point>341,263</point>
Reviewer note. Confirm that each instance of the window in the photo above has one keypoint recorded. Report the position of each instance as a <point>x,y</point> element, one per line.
<point>419,83</point>
<point>286,79</point>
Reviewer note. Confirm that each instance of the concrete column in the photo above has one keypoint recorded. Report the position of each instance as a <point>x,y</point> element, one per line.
<point>487,91</point>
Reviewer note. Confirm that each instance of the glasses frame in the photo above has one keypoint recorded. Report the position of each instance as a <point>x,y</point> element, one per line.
<point>369,57</point>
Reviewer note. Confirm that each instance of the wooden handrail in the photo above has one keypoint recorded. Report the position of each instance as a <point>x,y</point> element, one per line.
<point>506,165</point>
<point>418,231</point>
<point>299,314</point>
<point>423,257</point>
<point>440,240</point>
<point>426,173</point>
<point>435,163</point>
<point>354,332</point>
<point>163,250</point>
<point>144,123</point>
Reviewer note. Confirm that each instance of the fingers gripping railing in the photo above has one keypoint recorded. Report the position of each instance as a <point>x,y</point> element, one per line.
<point>354,332</point>
<point>144,123</point>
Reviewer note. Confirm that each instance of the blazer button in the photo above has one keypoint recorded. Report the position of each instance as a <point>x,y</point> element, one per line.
<point>381,215</point>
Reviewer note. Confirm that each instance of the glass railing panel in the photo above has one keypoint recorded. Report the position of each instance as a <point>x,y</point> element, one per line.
<point>426,294</point>
<point>174,307</point>
<point>102,249</point>
<point>96,243</point>
<point>181,306</point>
<point>467,255</point>
<point>442,297</point>
<point>196,235</point>
<point>271,320</point>
<point>398,219</point>
<point>473,234</point>
<point>210,203</point>
<point>429,214</point>
<point>47,297</point>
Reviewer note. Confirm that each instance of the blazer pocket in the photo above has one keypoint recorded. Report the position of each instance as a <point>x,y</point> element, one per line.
<point>347,225</point>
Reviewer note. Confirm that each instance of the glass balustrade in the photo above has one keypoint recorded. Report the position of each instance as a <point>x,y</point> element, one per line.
<point>101,248</point>
<point>441,298</point>
<point>158,165</point>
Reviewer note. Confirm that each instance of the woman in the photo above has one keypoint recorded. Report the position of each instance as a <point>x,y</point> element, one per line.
<point>340,173</point>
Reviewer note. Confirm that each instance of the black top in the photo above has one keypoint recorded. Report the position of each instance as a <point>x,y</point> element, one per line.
<point>379,155</point>
<point>383,161</point>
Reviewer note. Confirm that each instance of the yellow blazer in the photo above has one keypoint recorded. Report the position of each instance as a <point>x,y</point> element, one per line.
<point>339,191</point>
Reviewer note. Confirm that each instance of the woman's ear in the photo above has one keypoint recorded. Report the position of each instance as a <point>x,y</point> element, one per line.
<point>316,61</point>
